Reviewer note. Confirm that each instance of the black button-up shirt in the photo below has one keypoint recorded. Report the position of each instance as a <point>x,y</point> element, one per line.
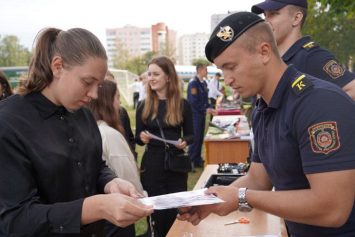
<point>50,161</point>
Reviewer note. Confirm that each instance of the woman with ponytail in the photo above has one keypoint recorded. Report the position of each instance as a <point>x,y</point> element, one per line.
<point>53,180</point>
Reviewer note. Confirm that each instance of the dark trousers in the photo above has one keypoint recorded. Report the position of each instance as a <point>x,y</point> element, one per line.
<point>199,130</point>
<point>113,230</point>
<point>213,103</point>
<point>135,99</point>
<point>158,181</point>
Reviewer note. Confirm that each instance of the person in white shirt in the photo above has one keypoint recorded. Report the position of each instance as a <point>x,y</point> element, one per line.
<point>136,86</point>
<point>142,88</point>
<point>115,149</point>
<point>213,90</point>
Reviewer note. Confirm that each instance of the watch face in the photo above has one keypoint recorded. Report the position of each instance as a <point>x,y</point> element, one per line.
<point>245,208</point>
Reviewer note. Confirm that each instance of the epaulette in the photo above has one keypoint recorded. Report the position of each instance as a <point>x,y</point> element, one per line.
<point>301,84</point>
<point>310,45</point>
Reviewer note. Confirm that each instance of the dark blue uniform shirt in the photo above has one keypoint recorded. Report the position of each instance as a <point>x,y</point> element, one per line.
<point>51,160</point>
<point>308,127</point>
<point>314,60</point>
<point>197,95</point>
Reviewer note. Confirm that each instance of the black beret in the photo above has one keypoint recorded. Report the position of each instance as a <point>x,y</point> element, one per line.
<point>228,30</point>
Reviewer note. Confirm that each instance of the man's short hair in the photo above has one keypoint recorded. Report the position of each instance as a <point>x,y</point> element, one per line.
<point>292,9</point>
<point>218,74</point>
<point>200,66</point>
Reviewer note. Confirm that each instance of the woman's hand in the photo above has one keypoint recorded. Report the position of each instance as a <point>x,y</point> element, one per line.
<point>182,144</point>
<point>145,137</point>
<point>121,186</point>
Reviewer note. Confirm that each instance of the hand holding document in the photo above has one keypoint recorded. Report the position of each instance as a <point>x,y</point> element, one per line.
<point>164,140</point>
<point>181,199</point>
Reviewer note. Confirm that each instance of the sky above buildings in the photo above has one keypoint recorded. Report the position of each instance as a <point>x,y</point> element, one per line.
<point>25,18</point>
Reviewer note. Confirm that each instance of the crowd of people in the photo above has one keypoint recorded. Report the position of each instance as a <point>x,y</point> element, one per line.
<point>69,165</point>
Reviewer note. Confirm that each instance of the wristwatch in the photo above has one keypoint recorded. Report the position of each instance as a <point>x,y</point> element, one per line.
<point>243,204</point>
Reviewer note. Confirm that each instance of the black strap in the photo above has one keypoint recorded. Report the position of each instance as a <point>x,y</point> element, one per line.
<point>162,134</point>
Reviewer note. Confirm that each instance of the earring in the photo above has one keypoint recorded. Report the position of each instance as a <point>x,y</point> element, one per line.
<point>3,94</point>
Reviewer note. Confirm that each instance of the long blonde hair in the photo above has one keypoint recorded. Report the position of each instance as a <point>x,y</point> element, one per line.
<point>174,102</point>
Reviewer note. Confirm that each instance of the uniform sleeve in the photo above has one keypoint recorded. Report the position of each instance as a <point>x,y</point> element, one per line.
<point>188,126</point>
<point>195,99</point>
<point>323,124</point>
<point>140,126</point>
<point>323,65</point>
<point>22,211</point>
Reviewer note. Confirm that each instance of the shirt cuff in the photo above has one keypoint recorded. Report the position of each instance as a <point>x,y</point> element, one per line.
<point>66,217</point>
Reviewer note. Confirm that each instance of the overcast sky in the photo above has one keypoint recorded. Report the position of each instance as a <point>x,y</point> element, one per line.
<point>24,18</point>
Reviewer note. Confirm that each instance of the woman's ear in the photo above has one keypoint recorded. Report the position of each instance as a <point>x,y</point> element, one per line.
<point>57,66</point>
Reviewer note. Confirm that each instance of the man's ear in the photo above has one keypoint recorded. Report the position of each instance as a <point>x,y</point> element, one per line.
<point>297,18</point>
<point>57,66</point>
<point>265,52</point>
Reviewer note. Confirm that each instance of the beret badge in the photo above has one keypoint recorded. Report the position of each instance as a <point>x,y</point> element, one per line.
<point>225,33</point>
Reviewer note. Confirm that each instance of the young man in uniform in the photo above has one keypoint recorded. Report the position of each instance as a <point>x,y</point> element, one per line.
<point>197,95</point>
<point>287,18</point>
<point>303,131</point>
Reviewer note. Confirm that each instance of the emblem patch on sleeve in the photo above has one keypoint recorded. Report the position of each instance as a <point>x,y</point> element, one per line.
<point>324,137</point>
<point>334,69</point>
<point>193,91</point>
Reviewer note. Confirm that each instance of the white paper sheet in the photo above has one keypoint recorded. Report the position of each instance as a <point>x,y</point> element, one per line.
<point>163,140</point>
<point>181,199</point>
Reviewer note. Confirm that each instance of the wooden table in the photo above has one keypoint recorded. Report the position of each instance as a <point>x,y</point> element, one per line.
<point>221,150</point>
<point>261,223</point>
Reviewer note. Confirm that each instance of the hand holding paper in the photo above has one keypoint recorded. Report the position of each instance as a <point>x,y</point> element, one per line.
<point>181,199</point>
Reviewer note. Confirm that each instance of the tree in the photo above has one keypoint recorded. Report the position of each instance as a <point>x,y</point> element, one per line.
<point>167,49</point>
<point>201,60</point>
<point>337,7</point>
<point>12,53</point>
<point>336,34</point>
<point>121,55</point>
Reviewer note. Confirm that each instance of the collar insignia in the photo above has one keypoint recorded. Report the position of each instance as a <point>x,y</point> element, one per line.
<point>226,33</point>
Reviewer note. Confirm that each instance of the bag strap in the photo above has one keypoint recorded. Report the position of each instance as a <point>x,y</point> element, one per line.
<point>162,134</point>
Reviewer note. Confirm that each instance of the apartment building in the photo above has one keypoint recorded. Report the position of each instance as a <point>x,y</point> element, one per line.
<point>138,41</point>
<point>192,47</point>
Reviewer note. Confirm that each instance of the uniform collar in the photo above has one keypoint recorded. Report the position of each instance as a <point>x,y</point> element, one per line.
<point>282,87</point>
<point>44,106</point>
<point>295,47</point>
<point>199,79</point>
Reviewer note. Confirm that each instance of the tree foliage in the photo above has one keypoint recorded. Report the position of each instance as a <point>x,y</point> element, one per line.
<point>201,60</point>
<point>12,53</point>
<point>335,34</point>
<point>337,7</point>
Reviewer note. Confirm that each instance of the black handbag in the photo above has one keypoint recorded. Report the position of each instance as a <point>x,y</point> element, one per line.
<point>177,163</point>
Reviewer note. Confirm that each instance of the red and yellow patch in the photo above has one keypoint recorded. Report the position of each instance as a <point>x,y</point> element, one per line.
<point>324,137</point>
<point>193,91</point>
<point>334,69</point>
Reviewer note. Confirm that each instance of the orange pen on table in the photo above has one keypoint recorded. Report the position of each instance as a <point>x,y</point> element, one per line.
<point>242,220</point>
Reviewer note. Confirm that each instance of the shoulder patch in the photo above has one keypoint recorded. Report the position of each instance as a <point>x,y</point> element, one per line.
<point>309,45</point>
<point>324,137</point>
<point>193,91</point>
<point>334,69</point>
<point>301,84</point>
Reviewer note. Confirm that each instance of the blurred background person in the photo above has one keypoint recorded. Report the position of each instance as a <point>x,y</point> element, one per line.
<point>163,103</point>
<point>136,85</point>
<point>5,87</point>
<point>125,120</point>
<point>142,88</point>
<point>115,149</point>
<point>197,95</point>
<point>213,90</point>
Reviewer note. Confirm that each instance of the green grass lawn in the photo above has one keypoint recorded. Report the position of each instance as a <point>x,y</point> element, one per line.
<point>141,225</point>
